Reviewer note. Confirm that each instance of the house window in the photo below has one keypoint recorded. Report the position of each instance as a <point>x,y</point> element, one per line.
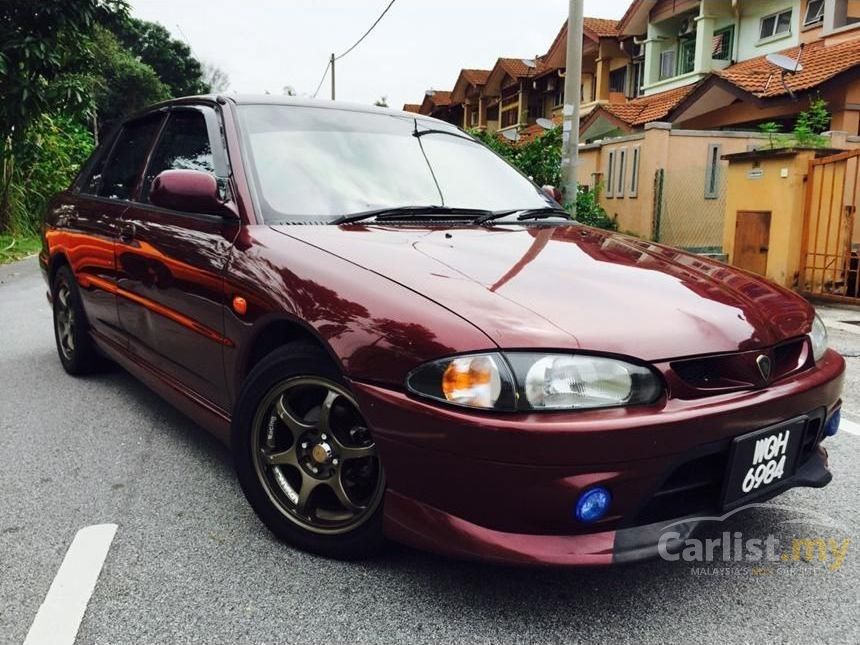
<point>509,117</point>
<point>622,172</point>
<point>688,56</point>
<point>775,24</point>
<point>712,172</point>
<point>667,64</point>
<point>610,175</point>
<point>558,97</point>
<point>634,173</point>
<point>618,80</point>
<point>723,42</point>
<point>638,78</point>
<point>814,12</point>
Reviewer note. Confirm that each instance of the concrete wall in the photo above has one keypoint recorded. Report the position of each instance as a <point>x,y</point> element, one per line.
<point>687,217</point>
<point>775,184</point>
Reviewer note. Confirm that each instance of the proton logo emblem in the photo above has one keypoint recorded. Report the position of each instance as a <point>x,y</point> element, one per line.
<point>763,364</point>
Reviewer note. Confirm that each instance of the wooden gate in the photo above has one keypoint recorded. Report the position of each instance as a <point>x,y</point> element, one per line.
<point>831,235</point>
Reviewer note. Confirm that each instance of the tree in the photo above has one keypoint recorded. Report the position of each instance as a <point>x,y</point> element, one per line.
<point>121,84</point>
<point>171,59</point>
<point>382,101</point>
<point>216,78</point>
<point>39,43</point>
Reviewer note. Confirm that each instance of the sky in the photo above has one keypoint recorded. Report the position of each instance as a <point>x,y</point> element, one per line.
<point>265,45</point>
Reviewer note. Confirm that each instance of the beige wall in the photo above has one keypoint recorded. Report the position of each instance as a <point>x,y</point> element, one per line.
<point>759,185</point>
<point>688,218</point>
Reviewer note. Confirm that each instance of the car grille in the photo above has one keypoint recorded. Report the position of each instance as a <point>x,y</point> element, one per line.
<point>695,485</point>
<point>708,375</point>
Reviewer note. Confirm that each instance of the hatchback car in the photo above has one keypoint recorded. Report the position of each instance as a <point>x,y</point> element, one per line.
<point>402,336</point>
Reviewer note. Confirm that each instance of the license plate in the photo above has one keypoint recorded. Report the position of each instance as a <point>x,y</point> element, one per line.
<point>760,460</point>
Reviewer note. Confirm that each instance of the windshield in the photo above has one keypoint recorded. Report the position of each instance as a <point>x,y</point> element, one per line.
<point>310,163</point>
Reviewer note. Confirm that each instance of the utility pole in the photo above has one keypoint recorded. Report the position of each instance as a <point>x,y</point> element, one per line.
<point>331,62</point>
<point>572,97</point>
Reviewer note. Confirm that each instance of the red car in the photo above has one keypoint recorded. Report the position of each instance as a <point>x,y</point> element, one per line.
<point>400,335</point>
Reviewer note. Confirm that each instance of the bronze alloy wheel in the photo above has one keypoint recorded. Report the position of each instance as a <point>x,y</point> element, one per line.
<point>315,457</point>
<point>65,321</point>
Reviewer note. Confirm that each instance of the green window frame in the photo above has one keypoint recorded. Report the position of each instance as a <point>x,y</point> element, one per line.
<point>724,42</point>
<point>687,56</point>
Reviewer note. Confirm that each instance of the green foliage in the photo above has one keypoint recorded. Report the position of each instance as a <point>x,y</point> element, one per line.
<point>122,84</point>
<point>807,128</point>
<point>540,159</point>
<point>171,59</point>
<point>15,247</point>
<point>811,123</point>
<point>52,153</point>
<point>588,210</point>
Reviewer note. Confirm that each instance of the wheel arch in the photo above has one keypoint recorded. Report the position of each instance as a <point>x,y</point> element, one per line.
<point>56,261</point>
<point>273,334</point>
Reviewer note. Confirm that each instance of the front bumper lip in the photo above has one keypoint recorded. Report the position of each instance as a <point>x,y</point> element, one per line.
<point>425,527</point>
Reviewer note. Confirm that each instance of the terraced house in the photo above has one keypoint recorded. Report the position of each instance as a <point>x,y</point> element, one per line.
<point>669,90</point>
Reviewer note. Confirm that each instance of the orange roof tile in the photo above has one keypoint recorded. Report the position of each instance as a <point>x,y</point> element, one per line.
<point>412,107</point>
<point>648,108</point>
<point>601,27</point>
<point>476,76</point>
<point>820,63</point>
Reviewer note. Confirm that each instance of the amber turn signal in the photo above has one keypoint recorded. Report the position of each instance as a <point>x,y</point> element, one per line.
<point>240,305</point>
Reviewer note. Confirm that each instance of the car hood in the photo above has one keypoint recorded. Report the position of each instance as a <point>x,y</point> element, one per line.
<point>573,287</point>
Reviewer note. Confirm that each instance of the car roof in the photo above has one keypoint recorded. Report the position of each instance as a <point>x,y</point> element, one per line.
<point>269,99</point>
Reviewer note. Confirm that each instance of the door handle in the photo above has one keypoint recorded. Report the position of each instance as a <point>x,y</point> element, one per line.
<point>126,233</point>
<point>763,249</point>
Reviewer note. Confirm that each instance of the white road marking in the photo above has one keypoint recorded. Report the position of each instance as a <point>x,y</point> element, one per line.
<point>849,426</point>
<point>62,611</point>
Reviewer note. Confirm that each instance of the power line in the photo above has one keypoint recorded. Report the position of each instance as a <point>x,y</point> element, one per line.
<point>376,22</point>
<point>330,64</point>
<point>325,73</point>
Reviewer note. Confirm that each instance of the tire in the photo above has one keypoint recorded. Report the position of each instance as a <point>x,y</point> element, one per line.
<point>75,347</point>
<point>296,415</point>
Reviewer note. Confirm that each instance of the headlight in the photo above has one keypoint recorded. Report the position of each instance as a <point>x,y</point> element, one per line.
<point>818,338</point>
<point>534,381</point>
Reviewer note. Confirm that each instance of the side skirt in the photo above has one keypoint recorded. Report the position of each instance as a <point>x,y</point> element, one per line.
<point>203,412</point>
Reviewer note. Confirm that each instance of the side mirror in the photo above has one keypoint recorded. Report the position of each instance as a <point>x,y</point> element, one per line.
<point>190,191</point>
<point>553,192</point>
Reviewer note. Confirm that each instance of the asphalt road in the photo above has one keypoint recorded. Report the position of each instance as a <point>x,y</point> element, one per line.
<point>190,563</point>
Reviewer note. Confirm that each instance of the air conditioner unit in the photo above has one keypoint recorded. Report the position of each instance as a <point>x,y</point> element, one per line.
<point>550,84</point>
<point>688,26</point>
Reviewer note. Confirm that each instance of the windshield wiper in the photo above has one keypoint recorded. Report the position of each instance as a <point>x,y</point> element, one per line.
<point>525,213</point>
<point>400,212</point>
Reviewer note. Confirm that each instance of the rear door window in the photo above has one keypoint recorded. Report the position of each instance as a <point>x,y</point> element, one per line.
<point>184,145</point>
<point>125,165</point>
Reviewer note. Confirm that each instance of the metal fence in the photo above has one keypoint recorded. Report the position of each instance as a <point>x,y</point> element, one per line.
<point>683,215</point>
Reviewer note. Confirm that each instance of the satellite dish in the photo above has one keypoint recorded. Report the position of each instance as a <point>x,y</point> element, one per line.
<point>785,63</point>
<point>511,135</point>
<point>529,62</point>
<point>429,92</point>
<point>546,124</point>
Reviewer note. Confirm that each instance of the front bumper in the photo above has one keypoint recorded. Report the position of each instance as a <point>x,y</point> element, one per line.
<point>502,488</point>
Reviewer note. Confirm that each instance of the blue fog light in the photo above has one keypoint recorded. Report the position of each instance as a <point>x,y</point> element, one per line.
<point>832,426</point>
<point>593,504</point>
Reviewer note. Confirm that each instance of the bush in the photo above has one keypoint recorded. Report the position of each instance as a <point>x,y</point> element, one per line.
<point>540,159</point>
<point>44,164</point>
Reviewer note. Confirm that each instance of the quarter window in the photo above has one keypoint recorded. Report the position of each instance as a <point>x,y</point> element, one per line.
<point>723,40</point>
<point>667,64</point>
<point>125,165</point>
<point>184,145</point>
<point>775,24</point>
<point>814,12</point>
